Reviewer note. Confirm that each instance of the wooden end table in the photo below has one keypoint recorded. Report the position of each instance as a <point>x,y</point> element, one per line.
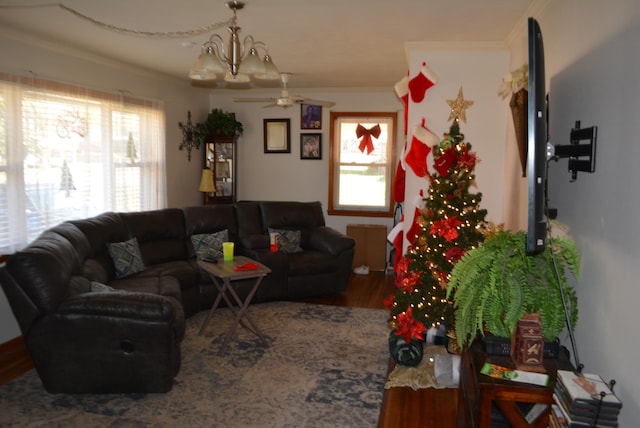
<point>479,392</point>
<point>222,274</point>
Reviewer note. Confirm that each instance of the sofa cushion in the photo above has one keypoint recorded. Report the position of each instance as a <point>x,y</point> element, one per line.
<point>209,245</point>
<point>126,257</point>
<point>160,233</point>
<point>311,263</point>
<point>163,285</point>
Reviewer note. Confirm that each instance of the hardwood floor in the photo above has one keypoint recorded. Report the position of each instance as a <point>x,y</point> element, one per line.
<point>14,360</point>
<point>401,407</point>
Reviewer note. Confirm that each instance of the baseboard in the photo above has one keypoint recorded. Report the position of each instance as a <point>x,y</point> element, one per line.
<point>14,360</point>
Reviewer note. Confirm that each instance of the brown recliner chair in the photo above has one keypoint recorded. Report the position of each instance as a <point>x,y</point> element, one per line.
<point>90,342</point>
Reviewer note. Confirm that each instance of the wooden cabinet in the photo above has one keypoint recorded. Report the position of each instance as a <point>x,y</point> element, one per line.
<point>220,158</point>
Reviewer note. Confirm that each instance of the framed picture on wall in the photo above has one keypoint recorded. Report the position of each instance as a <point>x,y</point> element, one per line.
<point>310,116</point>
<point>276,136</point>
<point>311,146</point>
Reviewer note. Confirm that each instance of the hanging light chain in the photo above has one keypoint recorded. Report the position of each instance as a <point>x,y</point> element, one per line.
<point>128,31</point>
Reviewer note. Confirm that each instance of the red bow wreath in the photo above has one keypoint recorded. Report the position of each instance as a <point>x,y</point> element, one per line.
<point>366,134</point>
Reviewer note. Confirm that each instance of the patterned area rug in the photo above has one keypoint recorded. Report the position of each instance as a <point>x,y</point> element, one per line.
<point>325,367</point>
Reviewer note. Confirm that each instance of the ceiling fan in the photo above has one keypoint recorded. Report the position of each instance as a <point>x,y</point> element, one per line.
<point>285,100</point>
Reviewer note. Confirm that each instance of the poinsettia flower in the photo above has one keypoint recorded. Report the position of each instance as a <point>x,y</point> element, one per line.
<point>407,281</point>
<point>467,159</point>
<point>446,228</point>
<point>408,327</point>
<point>388,303</point>
<point>454,254</point>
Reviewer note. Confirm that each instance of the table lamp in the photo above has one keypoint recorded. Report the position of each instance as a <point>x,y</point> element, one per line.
<point>206,184</point>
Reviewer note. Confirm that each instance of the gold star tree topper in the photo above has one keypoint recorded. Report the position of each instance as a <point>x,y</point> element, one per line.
<point>459,107</point>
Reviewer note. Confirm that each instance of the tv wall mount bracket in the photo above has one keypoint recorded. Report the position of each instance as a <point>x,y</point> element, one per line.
<point>581,154</point>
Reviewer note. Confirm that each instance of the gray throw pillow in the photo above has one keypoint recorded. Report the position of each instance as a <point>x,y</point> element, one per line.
<point>209,245</point>
<point>288,240</point>
<point>126,257</point>
<point>100,287</point>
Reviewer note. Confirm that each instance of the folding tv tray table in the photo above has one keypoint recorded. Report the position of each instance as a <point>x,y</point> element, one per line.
<point>222,274</point>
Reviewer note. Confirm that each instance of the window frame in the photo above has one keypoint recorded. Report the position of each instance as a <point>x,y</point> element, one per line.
<point>334,164</point>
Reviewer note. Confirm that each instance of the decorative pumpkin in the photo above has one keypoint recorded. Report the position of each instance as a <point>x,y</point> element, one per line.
<point>403,353</point>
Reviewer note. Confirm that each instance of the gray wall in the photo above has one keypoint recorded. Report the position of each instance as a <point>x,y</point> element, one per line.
<point>592,63</point>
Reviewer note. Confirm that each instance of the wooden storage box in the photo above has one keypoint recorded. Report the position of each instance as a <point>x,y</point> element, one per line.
<point>371,245</point>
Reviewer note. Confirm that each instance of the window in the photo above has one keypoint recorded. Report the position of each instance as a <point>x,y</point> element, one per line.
<point>68,152</point>
<point>360,174</point>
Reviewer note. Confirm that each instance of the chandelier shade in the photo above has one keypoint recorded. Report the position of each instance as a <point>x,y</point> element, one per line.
<point>238,62</point>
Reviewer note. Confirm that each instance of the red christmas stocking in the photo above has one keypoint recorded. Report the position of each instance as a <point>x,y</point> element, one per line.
<point>419,147</point>
<point>419,84</point>
<point>414,230</point>
<point>402,91</point>
<point>444,162</point>
<point>396,237</point>
<point>399,184</point>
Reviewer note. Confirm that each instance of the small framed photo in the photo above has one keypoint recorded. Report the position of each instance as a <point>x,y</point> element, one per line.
<point>277,136</point>
<point>311,146</point>
<point>310,116</point>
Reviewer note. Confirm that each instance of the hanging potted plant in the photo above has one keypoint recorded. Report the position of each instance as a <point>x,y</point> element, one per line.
<point>219,123</point>
<point>497,283</point>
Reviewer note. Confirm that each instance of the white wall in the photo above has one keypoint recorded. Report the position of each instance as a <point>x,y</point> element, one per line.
<point>479,73</point>
<point>284,176</point>
<point>592,67</point>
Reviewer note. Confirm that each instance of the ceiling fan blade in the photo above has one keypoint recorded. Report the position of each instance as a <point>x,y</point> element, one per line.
<point>253,100</point>
<point>270,105</point>
<point>327,104</point>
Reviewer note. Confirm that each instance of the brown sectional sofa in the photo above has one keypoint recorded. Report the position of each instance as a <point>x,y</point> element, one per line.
<point>128,340</point>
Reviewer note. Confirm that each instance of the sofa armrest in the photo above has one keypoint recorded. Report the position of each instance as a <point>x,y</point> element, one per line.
<point>329,240</point>
<point>122,304</point>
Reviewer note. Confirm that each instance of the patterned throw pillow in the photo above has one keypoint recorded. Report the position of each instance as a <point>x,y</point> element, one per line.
<point>100,287</point>
<point>126,257</point>
<point>209,245</point>
<point>288,240</point>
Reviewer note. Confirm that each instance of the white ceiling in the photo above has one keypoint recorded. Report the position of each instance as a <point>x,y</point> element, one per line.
<point>324,43</point>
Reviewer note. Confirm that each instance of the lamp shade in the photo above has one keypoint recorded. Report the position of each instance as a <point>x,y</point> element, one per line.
<point>206,181</point>
<point>207,67</point>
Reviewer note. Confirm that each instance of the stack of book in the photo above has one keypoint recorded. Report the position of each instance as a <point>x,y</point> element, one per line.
<point>579,402</point>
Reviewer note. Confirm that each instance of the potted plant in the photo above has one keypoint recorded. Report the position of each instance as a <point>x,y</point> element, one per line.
<point>218,123</point>
<point>495,284</point>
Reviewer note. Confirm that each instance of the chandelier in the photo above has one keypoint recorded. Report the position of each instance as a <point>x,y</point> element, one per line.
<point>239,62</point>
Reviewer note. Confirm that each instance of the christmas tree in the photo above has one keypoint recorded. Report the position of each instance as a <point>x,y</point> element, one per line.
<point>132,153</point>
<point>66,180</point>
<point>451,223</point>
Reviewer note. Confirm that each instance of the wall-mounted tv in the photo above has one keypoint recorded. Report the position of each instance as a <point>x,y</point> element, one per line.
<point>536,143</point>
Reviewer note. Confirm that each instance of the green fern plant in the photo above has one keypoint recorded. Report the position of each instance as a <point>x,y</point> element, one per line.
<point>495,284</point>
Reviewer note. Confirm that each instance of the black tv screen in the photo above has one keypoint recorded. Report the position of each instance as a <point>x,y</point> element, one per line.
<point>537,143</point>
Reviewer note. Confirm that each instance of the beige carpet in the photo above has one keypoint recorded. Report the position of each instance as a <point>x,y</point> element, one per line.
<point>325,367</point>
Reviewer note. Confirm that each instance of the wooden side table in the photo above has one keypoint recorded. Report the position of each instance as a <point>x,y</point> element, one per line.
<point>222,273</point>
<point>479,393</point>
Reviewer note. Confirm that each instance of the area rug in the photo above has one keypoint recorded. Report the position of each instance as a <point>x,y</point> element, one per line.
<point>325,366</point>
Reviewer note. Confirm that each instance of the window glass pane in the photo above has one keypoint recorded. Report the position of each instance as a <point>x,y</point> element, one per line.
<point>68,152</point>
